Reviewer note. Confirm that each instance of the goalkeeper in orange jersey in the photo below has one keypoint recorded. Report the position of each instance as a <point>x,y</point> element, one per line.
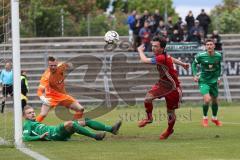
<point>33,130</point>
<point>52,91</point>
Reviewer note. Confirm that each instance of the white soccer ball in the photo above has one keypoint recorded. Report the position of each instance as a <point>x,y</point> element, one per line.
<point>111,37</point>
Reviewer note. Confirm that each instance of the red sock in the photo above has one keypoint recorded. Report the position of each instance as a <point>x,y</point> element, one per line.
<point>40,118</point>
<point>149,108</point>
<point>171,121</point>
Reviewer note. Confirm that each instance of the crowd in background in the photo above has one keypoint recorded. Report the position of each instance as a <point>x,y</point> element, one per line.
<point>143,27</point>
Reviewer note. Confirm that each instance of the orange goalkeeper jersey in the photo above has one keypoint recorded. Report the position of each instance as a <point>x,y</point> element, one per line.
<point>54,82</point>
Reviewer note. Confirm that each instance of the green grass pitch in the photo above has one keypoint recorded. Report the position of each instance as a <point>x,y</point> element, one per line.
<point>189,141</point>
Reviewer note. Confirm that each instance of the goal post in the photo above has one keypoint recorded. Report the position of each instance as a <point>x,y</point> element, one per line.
<point>16,72</point>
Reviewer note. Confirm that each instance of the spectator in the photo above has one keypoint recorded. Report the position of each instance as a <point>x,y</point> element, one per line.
<point>190,21</point>
<point>161,27</point>
<point>169,26</point>
<point>217,40</point>
<point>144,18</point>
<point>24,88</point>
<point>178,24</point>
<point>157,17</point>
<point>165,35</point>
<point>181,31</point>
<point>130,22</point>
<point>136,37</point>
<point>152,24</point>
<point>176,37</point>
<point>204,20</point>
<point>145,35</point>
<point>196,30</point>
<point>195,37</point>
<point>6,79</point>
<point>185,35</point>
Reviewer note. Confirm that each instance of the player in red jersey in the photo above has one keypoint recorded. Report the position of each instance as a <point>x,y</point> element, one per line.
<point>168,85</point>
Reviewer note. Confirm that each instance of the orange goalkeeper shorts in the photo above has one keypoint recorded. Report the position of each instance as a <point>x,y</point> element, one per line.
<point>60,100</point>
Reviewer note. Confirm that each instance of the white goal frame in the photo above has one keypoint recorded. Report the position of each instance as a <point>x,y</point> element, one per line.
<point>16,73</point>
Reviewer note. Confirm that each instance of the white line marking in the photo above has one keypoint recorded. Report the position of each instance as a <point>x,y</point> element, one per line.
<point>25,150</point>
<point>31,153</point>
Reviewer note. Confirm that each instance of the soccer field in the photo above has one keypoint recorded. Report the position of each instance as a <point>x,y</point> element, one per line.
<point>189,141</point>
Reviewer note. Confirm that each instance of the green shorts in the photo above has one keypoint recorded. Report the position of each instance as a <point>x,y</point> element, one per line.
<point>59,133</point>
<point>211,89</point>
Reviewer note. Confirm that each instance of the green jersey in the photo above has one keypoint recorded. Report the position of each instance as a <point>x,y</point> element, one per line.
<point>32,130</point>
<point>210,66</point>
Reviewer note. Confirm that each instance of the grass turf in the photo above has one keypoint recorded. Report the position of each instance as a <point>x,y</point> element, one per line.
<point>189,141</point>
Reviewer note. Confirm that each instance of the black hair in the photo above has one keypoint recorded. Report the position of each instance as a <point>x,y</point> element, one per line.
<point>209,40</point>
<point>163,44</point>
<point>161,40</point>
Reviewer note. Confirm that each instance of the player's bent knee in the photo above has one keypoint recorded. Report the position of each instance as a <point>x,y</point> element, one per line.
<point>82,123</point>
<point>68,124</point>
<point>207,99</point>
<point>148,100</point>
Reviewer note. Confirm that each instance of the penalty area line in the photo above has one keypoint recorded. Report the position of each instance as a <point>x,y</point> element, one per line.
<point>31,153</point>
<point>25,150</point>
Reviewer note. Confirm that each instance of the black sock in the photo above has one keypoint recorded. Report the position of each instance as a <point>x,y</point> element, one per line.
<point>3,105</point>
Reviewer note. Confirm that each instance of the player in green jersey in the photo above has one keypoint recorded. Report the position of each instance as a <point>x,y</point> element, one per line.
<point>209,79</point>
<point>33,130</point>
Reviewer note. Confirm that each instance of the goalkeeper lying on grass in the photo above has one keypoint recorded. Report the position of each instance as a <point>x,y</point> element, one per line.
<point>33,130</point>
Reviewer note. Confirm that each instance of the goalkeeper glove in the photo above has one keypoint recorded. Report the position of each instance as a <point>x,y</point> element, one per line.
<point>45,100</point>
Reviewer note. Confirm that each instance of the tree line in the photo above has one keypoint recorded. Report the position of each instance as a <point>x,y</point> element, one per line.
<point>42,18</point>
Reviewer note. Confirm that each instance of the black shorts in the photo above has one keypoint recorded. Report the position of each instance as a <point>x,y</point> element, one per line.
<point>7,90</point>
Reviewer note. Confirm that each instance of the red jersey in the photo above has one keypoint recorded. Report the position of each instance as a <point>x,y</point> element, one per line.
<point>166,69</point>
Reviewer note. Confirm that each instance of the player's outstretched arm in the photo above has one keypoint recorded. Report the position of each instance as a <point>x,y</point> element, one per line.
<point>143,58</point>
<point>28,137</point>
<point>178,62</point>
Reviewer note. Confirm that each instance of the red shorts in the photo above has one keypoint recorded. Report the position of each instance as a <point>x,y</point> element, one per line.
<point>172,96</point>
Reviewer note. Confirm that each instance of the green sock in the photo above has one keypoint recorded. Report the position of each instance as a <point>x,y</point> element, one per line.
<point>205,109</point>
<point>97,125</point>
<point>214,109</point>
<point>81,130</point>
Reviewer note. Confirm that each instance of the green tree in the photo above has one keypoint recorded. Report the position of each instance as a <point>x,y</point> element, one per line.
<point>43,17</point>
<point>40,18</point>
<point>225,18</point>
<point>151,5</point>
<point>98,26</point>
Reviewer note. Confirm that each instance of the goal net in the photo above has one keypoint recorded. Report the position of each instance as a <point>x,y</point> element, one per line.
<point>6,115</point>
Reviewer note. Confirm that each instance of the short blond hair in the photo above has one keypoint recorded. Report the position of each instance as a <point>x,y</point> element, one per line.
<point>26,108</point>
